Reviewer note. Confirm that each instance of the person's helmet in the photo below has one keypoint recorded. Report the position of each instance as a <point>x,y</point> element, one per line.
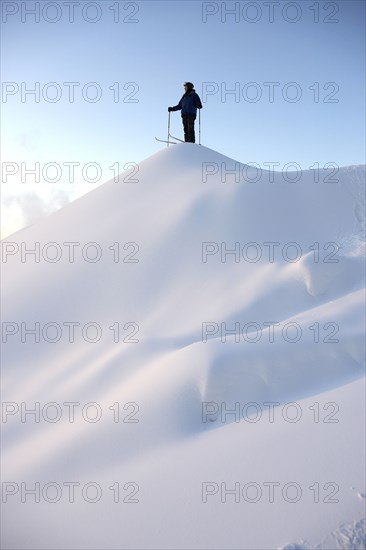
<point>189,85</point>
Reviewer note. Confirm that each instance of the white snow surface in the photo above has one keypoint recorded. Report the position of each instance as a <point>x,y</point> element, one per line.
<point>172,383</point>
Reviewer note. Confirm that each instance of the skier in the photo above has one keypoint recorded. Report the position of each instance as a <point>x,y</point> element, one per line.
<point>188,104</point>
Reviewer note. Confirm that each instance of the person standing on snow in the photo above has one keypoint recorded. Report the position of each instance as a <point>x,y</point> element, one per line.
<point>188,104</point>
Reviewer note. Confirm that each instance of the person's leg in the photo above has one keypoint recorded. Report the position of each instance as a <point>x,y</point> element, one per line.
<point>191,136</point>
<point>186,127</point>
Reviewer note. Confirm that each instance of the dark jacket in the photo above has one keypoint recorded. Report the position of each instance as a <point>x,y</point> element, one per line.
<point>189,103</point>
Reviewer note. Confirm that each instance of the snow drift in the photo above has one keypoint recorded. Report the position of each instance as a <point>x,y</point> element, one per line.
<point>187,325</point>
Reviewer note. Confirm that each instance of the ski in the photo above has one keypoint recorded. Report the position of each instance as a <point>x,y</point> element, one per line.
<point>173,137</point>
<point>165,141</point>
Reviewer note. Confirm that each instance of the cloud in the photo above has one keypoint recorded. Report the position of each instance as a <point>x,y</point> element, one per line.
<point>19,211</point>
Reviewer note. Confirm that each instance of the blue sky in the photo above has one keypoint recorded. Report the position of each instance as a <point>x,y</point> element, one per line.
<point>312,49</point>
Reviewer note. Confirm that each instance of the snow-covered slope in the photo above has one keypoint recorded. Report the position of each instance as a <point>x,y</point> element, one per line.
<point>167,301</point>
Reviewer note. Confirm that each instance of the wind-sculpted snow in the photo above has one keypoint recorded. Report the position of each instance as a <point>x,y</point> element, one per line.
<point>227,288</point>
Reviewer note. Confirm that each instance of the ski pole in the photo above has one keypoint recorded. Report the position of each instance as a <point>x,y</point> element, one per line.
<point>168,128</point>
<point>199,126</point>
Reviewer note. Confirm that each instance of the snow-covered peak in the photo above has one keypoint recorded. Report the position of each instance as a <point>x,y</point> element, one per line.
<point>192,281</point>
